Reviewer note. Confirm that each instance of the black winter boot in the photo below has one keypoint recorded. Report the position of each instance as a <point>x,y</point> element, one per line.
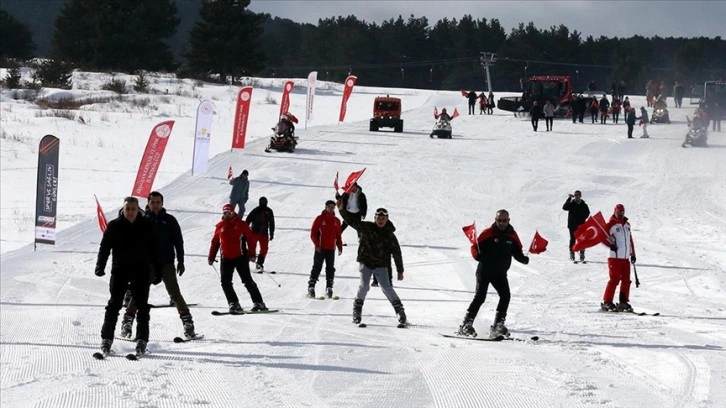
<point>498,328</point>
<point>467,327</point>
<point>400,312</point>
<point>188,323</point>
<point>127,325</point>
<point>357,311</point>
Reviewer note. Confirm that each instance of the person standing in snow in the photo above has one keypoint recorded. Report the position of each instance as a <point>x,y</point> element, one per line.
<point>355,202</point>
<point>326,236</point>
<point>377,244</point>
<point>471,96</point>
<point>135,250</point>
<point>240,192</point>
<point>232,236</point>
<point>604,106</point>
<point>549,114</point>
<point>535,112</point>
<point>494,250</point>
<point>577,213</point>
<point>262,223</point>
<point>621,249</point>
<point>644,122</point>
<point>171,246</point>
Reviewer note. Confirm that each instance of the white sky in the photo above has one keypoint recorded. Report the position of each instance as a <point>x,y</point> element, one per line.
<point>596,18</point>
<point>309,354</point>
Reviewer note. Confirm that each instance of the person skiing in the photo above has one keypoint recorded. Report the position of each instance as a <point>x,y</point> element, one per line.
<point>240,191</point>
<point>232,236</point>
<point>171,246</point>
<point>262,223</point>
<point>377,245</point>
<point>622,248</point>
<point>135,258</point>
<point>494,250</point>
<point>326,236</point>
<point>577,213</point>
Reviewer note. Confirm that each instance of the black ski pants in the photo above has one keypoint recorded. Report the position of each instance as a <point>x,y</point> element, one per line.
<point>241,264</point>
<point>136,279</point>
<point>327,256</point>
<point>499,282</point>
<point>630,131</point>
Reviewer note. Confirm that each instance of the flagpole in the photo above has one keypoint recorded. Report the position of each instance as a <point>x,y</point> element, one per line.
<point>476,237</point>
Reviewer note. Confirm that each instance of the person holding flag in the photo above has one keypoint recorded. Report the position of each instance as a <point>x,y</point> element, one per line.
<point>621,249</point>
<point>240,191</point>
<point>494,249</point>
<point>355,203</point>
<point>577,213</point>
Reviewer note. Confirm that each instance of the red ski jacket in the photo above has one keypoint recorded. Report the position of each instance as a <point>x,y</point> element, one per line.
<point>231,235</point>
<point>326,232</point>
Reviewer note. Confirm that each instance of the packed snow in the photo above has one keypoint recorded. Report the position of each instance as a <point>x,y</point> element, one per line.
<point>309,353</point>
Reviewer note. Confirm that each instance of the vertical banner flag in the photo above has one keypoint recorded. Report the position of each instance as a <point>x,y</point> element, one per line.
<point>349,82</point>
<point>151,159</point>
<point>538,244</point>
<point>202,136</point>
<point>46,198</point>
<point>102,221</point>
<point>285,103</point>
<point>353,178</point>
<point>312,81</point>
<point>241,117</point>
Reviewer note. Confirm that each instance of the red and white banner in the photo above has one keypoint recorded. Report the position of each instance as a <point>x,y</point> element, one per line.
<point>46,197</point>
<point>349,83</point>
<point>470,232</point>
<point>202,137</point>
<point>352,179</point>
<point>538,245</point>
<point>285,102</point>
<point>241,117</point>
<point>151,159</point>
<point>312,82</point>
<point>102,221</point>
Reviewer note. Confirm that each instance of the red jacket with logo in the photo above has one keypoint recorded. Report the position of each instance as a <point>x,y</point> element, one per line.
<point>231,235</point>
<point>326,232</point>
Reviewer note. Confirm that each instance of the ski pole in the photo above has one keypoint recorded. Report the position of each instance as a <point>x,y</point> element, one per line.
<point>637,282</point>
<point>273,279</point>
<point>215,270</point>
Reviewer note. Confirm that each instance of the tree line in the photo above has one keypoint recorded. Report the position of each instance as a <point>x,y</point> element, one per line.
<point>229,42</point>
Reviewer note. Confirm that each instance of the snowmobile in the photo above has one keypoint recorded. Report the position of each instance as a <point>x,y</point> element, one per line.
<point>696,138</point>
<point>442,129</point>
<point>283,138</point>
<point>660,112</point>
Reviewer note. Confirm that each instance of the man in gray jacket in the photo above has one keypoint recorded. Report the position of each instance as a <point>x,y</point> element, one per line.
<point>240,192</point>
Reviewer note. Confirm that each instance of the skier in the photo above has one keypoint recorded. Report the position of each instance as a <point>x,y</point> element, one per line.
<point>377,245</point>
<point>577,213</point>
<point>135,258</point>
<point>621,248</point>
<point>231,235</point>
<point>240,191</point>
<point>494,250</point>
<point>262,223</point>
<point>326,236</point>
<point>171,243</point>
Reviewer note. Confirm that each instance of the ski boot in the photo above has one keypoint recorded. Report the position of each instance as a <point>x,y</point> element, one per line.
<point>188,323</point>
<point>400,312</point>
<point>467,327</point>
<point>234,307</point>
<point>127,298</point>
<point>357,311</point>
<point>260,264</point>
<point>498,328</point>
<point>624,307</point>
<point>259,307</point>
<point>140,347</point>
<point>608,307</point>
<point>572,256</point>
<point>106,345</point>
<point>329,292</point>
<point>127,326</point>
<point>582,256</point>
<point>311,292</point>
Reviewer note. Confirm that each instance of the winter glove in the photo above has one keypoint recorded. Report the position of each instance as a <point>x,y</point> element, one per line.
<point>525,260</point>
<point>99,270</point>
<point>272,236</point>
<point>632,259</point>
<point>210,261</point>
<point>180,268</point>
<point>613,247</point>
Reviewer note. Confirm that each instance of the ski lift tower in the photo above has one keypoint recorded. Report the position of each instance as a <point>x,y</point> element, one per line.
<point>487,59</point>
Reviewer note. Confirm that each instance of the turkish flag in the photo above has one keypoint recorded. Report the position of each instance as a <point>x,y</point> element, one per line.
<point>335,182</point>
<point>470,232</point>
<point>590,233</point>
<point>352,179</point>
<point>229,173</point>
<point>538,245</point>
<point>102,222</point>
<point>464,93</point>
<point>436,112</point>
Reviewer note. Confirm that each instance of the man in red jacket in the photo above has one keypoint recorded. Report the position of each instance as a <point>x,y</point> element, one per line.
<point>621,248</point>
<point>326,236</point>
<point>230,235</point>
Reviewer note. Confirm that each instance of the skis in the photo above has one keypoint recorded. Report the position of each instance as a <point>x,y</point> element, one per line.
<point>160,306</point>
<point>577,262</point>
<point>455,336</point>
<point>134,356</point>
<point>186,340</point>
<point>630,313</point>
<point>398,326</point>
<point>100,355</point>
<point>218,313</point>
<point>325,297</point>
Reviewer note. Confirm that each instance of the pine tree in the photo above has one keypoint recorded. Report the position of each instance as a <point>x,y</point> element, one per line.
<point>16,41</point>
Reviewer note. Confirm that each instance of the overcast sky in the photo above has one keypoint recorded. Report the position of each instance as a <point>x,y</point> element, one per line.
<point>596,18</point>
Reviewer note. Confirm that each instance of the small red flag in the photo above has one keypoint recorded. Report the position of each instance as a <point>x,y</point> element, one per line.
<point>538,245</point>
<point>352,179</point>
<point>456,113</point>
<point>436,112</point>
<point>229,173</point>
<point>470,232</point>
<point>102,222</point>
<point>335,182</point>
<point>464,93</point>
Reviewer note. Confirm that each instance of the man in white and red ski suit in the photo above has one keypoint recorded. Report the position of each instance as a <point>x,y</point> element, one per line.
<point>622,254</point>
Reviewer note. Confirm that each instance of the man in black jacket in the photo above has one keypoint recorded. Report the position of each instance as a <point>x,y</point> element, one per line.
<point>171,247</point>
<point>577,213</point>
<point>135,257</point>
<point>494,250</point>
<point>262,223</point>
<point>377,244</point>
